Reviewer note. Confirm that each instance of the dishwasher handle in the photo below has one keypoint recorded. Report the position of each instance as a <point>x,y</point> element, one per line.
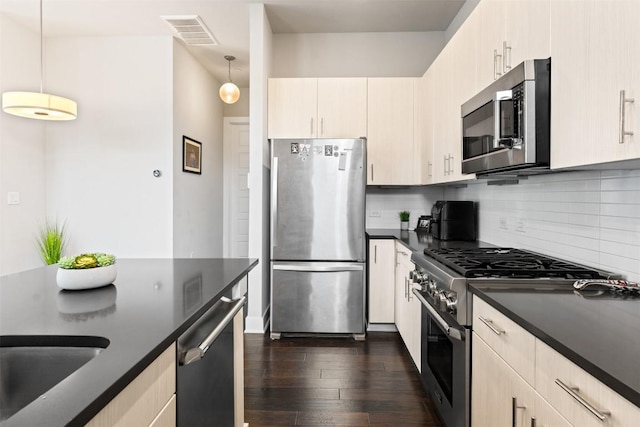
<point>194,354</point>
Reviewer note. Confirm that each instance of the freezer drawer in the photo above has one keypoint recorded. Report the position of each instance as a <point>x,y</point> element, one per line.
<point>317,297</point>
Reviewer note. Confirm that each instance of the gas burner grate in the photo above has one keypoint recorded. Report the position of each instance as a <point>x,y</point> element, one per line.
<point>508,263</point>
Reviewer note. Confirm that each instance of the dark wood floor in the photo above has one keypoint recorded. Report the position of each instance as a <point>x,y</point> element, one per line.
<point>333,381</point>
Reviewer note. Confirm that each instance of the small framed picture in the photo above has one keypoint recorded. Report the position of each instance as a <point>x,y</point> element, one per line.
<point>191,155</point>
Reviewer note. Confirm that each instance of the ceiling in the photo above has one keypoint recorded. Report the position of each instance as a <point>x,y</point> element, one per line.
<point>228,20</point>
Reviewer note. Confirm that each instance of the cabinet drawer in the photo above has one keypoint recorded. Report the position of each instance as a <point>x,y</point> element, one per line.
<point>555,372</point>
<point>514,344</point>
<point>145,397</point>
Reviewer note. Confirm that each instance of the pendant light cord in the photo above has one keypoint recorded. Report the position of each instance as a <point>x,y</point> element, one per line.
<point>228,60</point>
<point>41,53</point>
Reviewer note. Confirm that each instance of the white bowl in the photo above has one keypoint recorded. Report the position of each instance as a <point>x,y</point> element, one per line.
<point>87,278</point>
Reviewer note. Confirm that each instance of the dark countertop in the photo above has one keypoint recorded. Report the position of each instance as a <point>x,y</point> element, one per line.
<point>418,241</point>
<point>152,303</point>
<point>601,334</point>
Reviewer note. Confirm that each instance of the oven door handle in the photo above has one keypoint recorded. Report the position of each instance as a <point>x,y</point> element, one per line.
<point>451,331</point>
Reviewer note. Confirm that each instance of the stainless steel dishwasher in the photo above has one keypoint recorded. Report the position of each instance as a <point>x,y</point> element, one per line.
<point>205,377</point>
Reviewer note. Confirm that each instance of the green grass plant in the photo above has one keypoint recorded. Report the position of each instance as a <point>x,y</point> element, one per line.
<point>51,241</point>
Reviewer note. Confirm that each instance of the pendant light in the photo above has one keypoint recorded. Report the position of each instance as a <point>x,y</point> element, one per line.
<point>39,105</point>
<point>229,92</point>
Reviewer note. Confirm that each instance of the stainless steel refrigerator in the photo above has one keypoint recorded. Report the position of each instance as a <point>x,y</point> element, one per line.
<point>318,236</point>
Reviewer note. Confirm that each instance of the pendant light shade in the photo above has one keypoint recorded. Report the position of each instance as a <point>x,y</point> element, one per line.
<point>229,92</point>
<point>39,105</point>
<point>36,105</point>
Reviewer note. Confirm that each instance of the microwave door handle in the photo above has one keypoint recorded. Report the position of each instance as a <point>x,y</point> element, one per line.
<point>502,95</point>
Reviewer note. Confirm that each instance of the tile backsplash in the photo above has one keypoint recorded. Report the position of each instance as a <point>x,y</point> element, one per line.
<point>383,205</point>
<point>589,217</point>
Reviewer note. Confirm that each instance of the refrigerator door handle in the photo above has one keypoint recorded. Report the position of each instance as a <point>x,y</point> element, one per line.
<point>320,268</point>
<point>274,203</point>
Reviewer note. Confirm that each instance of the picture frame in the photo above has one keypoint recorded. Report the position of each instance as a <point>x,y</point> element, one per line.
<point>191,155</point>
<point>424,223</point>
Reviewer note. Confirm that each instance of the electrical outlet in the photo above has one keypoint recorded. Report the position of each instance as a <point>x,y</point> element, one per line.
<point>521,226</point>
<point>374,214</point>
<point>502,223</point>
<point>13,198</point>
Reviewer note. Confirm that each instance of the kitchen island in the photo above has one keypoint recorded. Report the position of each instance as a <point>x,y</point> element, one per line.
<point>151,303</point>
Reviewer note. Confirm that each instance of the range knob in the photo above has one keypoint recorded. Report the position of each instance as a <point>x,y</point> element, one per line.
<point>451,302</point>
<point>418,277</point>
<point>432,289</point>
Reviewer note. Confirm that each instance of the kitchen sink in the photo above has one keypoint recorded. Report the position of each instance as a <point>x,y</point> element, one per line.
<point>32,365</point>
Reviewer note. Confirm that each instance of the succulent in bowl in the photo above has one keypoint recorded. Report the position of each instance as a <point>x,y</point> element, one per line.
<point>84,261</point>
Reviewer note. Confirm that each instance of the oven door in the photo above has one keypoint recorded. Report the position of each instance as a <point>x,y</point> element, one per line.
<point>446,363</point>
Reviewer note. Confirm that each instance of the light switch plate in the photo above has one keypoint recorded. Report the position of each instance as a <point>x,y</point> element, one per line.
<point>13,198</point>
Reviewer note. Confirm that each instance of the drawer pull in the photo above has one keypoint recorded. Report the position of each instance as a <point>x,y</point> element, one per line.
<point>573,392</point>
<point>491,326</point>
<point>514,411</point>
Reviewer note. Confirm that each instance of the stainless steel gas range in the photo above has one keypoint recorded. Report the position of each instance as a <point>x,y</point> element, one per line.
<point>442,276</point>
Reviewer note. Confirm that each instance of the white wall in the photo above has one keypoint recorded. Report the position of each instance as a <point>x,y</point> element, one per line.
<point>259,176</point>
<point>100,166</point>
<point>406,54</point>
<point>589,217</point>
<point>241,107</point>
<point>388,202</point>
<point>22,152</point>
<point>197,199</point>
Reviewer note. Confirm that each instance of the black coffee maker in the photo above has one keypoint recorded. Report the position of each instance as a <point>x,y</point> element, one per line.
<point>453,220</point>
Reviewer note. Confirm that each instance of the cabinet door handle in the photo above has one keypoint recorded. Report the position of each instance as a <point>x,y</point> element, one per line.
<point>451,164</point>
<point>496,68</point>
<point>491,326</point>
<point>375,254</point>
<point>406,288</point>
<point>506,64</point>
<point>623,101</point>
<point>574,392</point>
<point>321,126</point>
<point>372,172</point>
<point>311,129</point>
<point>429,169</point>
<point>514,411</point>
<point>533,421</point>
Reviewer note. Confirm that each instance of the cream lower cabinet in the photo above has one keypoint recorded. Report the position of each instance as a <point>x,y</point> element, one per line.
<point>149,400</point>
<point>501,397</point>
<point>595,57</point>
<point>317,108</point>
<point>564,384</point>
<point>407,306</point>
<point>559,394</point>
<point>381,276</point>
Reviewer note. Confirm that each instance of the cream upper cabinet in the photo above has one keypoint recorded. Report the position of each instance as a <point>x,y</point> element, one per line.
<point>453,82</point>
<point>595,56</point>
<point>293,108</point>
<point>317,108</point>
<point>342,107</point>
<point>511,31</point>
<point>424,123</point>
<point>391,155</point>
<point>381,280</point>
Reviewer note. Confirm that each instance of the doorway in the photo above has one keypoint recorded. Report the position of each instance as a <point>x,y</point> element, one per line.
<point>236,191</point>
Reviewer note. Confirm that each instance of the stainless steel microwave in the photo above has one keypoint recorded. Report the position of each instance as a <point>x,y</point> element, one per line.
<point>506,126</point>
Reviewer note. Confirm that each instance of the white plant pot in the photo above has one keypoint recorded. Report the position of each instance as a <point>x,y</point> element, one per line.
<point>404,225</point>
<point>87,278</point>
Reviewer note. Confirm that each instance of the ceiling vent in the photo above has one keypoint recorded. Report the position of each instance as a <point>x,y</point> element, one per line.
<point>191,29</point>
